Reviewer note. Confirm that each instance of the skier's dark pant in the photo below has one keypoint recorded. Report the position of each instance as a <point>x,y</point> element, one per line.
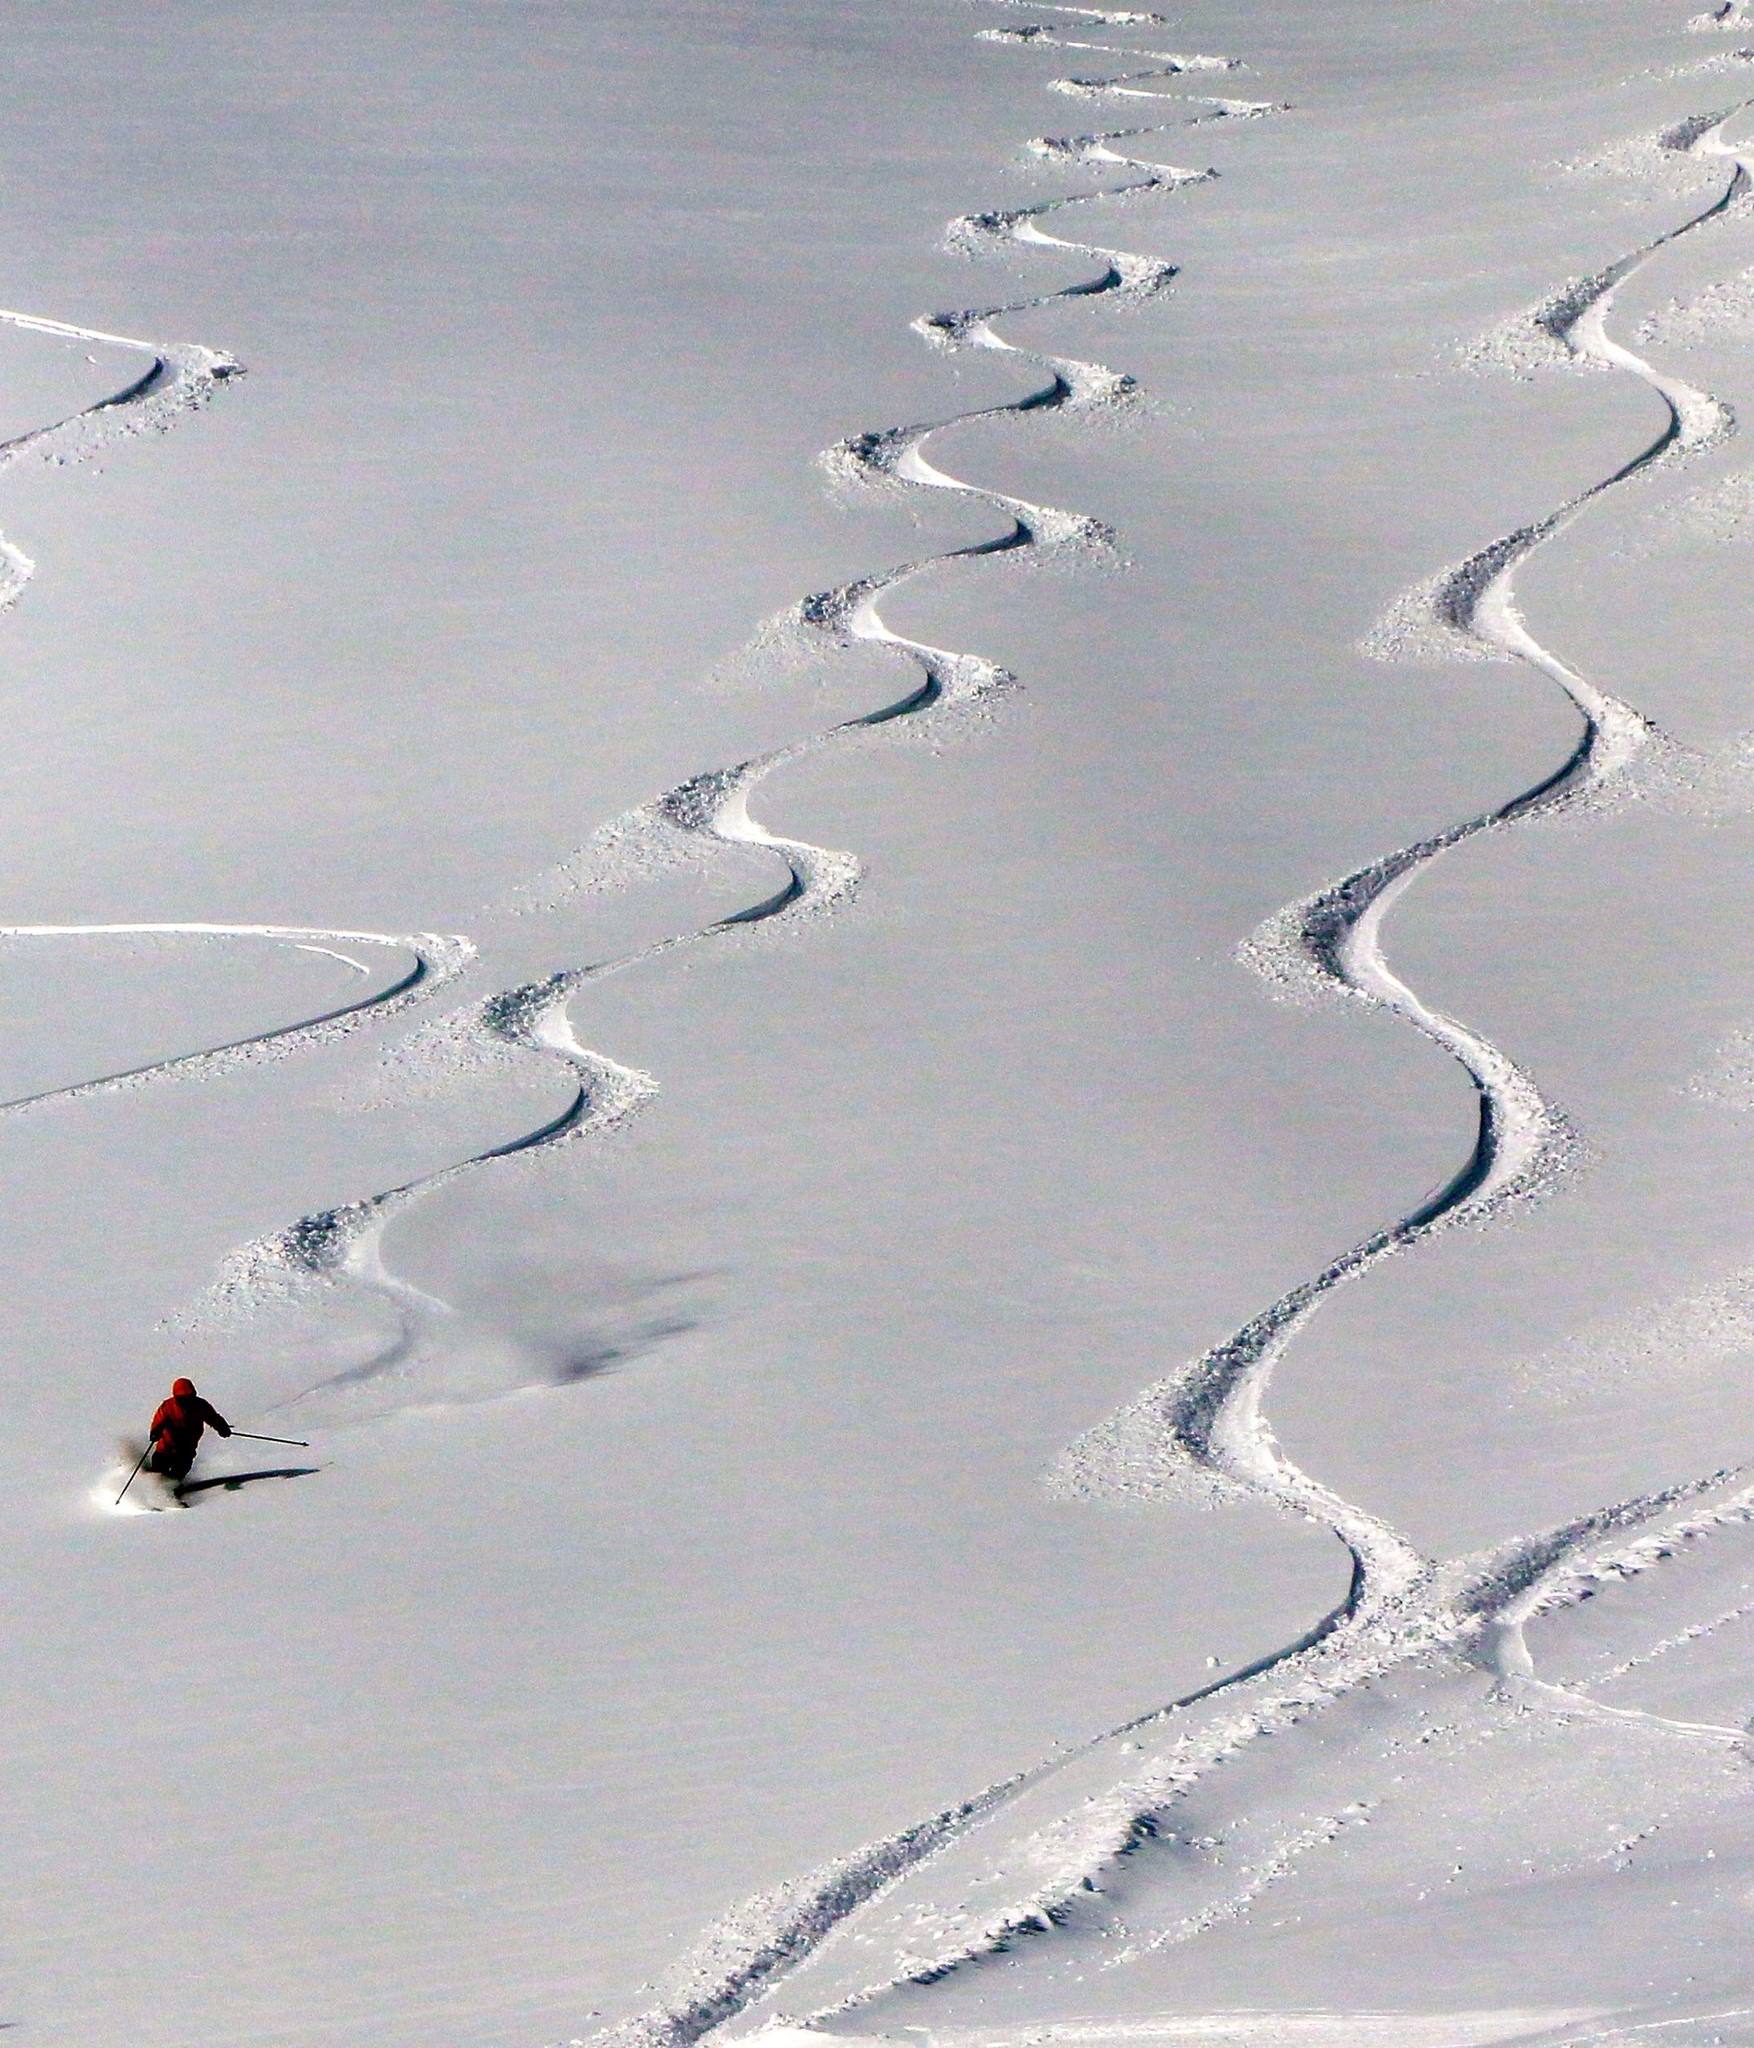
<point>172,1460</point>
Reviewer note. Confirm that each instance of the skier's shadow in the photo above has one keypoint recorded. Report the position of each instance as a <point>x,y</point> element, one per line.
<point>231,1481</point>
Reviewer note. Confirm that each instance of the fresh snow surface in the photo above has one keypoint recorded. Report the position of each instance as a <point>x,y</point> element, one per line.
<point>905,844</point>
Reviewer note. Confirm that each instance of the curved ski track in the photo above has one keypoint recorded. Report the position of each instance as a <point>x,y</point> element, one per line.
<point>937,1896</point>
<point>179,378</point>
<point>346,1242</point>
<point>1077,1813</point>
<point>437,958</point>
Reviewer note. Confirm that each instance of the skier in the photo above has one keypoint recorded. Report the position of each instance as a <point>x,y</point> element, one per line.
<point>176,1431</point>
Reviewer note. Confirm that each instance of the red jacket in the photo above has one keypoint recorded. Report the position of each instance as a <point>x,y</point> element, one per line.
<point>178,1423</point>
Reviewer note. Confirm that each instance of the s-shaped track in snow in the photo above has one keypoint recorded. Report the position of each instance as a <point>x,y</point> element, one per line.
<point>346,1242</point>
<point>1018,1856</point>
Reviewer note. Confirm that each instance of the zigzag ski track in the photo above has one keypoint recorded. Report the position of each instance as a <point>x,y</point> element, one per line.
<point>1022,1856</point>
<point>944,688</point>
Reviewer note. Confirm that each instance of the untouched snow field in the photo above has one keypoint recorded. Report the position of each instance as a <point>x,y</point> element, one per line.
<point>1008,1185</point>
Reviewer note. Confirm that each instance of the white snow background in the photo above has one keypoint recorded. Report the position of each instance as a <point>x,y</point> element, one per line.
<point>786,1128</point>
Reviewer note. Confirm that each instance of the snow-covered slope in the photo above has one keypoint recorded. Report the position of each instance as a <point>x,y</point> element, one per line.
<point>708,1034</point>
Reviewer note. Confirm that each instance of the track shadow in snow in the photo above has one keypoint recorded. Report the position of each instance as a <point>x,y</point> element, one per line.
<point>587,1357</point>
<point>231,1481</point>
<point>553,1329</point>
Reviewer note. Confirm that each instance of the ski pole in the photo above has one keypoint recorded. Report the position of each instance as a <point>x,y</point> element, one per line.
<point>135,1474</point>
<point>256,1437</point>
